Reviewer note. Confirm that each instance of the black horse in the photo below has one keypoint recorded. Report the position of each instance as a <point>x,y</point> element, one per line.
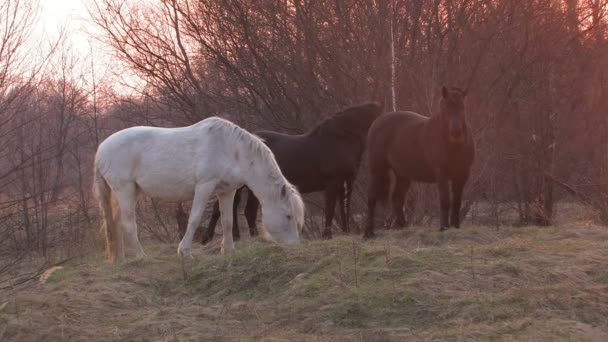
<point>325,159</point>
<point>416,148</point>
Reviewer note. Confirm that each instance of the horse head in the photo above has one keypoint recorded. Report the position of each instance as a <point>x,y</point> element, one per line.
<point>284,216</point>
<point>452,114</point>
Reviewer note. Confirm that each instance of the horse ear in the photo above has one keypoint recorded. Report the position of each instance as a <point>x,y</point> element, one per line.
<point>444,92</point>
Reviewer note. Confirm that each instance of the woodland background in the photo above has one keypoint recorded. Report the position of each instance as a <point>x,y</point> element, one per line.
<point>537,73</point>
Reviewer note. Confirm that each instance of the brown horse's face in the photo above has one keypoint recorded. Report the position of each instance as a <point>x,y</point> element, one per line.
<point>453,115</point>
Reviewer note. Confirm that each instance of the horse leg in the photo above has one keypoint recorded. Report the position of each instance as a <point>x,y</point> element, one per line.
<point>226,206</point>
<point>371,207</point>
<point>215,216</point>
<point>444,201</point>
<point>331,192</point>
<point>126,204</point>
<point>349,193</point>
<point>120,241</point>
<point>341,203</point>
<point>201,195</point>
<point>401,187</point>
<point>378,188</point>
<point>235,219</point>
<point>251,213</point>
<point>181,218</point>
<point>457,187</point>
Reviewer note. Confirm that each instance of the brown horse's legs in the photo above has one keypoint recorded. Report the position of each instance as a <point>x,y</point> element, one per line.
<point>369,228</point>
<point>457,187</point>
<point>378,189</point>
<point>444,200</point>
<point>251,213</point>
<point>349,193</point>
<point>210,232</point>
<point>342,210</point>
<point>331,192</point>
<point>236,233</point>
<point>401,188</point>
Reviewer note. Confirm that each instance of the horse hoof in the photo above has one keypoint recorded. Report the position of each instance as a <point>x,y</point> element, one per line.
<point>369,236</point>
<point>120,261</point>
<point>187,256</point>
<point>205,240</point>
<point>183,252</point>
<point>326,234</point>
<point>442,229</point>
<point>225,251</point>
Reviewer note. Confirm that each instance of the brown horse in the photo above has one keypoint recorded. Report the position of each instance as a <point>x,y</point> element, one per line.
<point>324,159</point>
<point>416,148</point>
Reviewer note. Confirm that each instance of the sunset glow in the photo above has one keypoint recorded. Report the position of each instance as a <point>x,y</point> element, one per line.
<point>302,170</point>
<point>70,18</point>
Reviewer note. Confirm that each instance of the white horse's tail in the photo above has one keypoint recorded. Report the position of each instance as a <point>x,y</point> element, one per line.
<point>108,225</point>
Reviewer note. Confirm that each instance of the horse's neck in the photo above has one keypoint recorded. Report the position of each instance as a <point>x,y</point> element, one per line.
<point>260,181</point>
<point>432,127</point>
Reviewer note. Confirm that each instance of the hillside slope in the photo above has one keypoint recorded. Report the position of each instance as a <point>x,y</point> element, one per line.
<point>416,284</point>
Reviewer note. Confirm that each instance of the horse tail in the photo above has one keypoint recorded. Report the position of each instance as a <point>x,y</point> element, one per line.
<point>379,179</point>
<point>109,227</point>
<point>383,186</point>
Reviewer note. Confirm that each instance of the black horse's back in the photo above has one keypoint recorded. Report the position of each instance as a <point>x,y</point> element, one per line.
<point>298,158</point>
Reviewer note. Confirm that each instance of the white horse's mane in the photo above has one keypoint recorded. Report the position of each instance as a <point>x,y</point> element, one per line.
<point>256,147</point>
<point>254,144</point>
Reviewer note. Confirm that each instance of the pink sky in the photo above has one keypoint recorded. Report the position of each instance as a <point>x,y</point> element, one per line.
<point>70,14</point>
<point>74,18</point>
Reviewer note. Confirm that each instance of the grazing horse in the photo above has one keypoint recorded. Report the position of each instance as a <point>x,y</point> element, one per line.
<point>176,164</point>
<point>324,159</point>
<point>438,150</point>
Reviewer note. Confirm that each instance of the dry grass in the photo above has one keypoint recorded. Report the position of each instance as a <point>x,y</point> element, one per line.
<point>416,284</point>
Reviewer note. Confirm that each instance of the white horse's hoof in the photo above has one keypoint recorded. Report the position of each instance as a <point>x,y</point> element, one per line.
<point>227,250</point>
<point>183,252</point>
<point>140,256</point>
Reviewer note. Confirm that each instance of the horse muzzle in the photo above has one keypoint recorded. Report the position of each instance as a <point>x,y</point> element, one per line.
<point>457,138</point>
<point>290,241</point>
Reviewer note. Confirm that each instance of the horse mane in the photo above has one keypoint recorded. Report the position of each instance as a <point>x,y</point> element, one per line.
<point>456,94</point>
<point>342,122</point>
<point>256,146</point>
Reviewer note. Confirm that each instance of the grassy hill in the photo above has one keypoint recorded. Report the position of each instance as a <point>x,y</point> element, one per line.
<point>415,284</point>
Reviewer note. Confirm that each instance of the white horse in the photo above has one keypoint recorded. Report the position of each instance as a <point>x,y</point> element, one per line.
<point>177,164</point>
